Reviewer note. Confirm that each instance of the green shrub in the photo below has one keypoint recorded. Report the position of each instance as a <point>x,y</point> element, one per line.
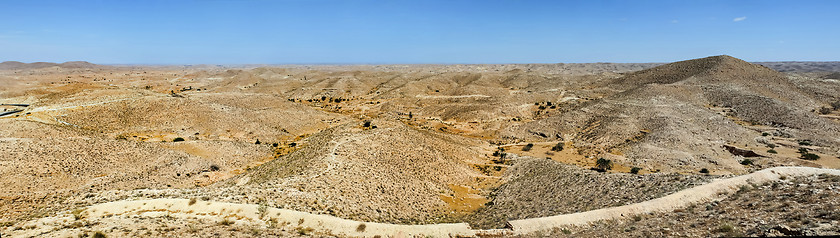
<point>635,170</point>
<point>725,228</point>
<point>805,142</point>
<point>809,156</point>
<point>528,147</point>
<point>226,222</point>
<point>746,162</point>
<point>765,134</point>
<point>803,150</point>
<point>603,164</point>
<point>178,139</point>
<point>557,147</point>
<point>704,171</point>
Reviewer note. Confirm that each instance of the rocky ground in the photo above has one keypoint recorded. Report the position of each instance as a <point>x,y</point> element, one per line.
<point>540,187</point>
<point>800,206</point>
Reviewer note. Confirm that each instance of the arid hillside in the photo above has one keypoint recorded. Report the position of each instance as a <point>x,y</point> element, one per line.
<point>479,145</point>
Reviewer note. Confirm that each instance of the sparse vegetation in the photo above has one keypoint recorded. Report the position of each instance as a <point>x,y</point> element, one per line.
<point>805,142</point>
<point>635,170</point>
<point>226,222</point>
<point>361,227</point>
<point>192,201</point>
<point>704,171</point>
<point>528,147</point>
<point>810,156</point>
<point>557,147</point>
<point>262,210</point>
<point>178,139</point>
<point>603,164</point>
<point>746,162</point>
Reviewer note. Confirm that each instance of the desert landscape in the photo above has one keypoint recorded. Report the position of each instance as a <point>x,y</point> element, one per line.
<point>712,146</point>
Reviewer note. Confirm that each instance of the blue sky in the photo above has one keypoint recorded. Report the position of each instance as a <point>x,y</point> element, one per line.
<point>361,31</point>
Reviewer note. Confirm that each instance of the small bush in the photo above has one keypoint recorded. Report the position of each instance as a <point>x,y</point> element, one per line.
<point>192,201</point>
<point>226,222</point>
<point>704,171</point>
<point>528,147</point>
<point>98,234</point>
<point>824,110</point>
<point>746,162</point>
<point>765,134</point>
<point>178,139</point>
<point>809,156</point>
<point>361,227</point>
<point>803,150</point>
<point>725,228</point>
<point>603,164</point>
<point>835,105</point>
<point>366,124</point>
<point>635,170</point>
<point>805,142</point>
<point>557,147</point>
<point>257,142</point>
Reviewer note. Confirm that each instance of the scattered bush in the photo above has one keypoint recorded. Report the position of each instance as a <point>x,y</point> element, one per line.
<point>809,156</point>
<point>835,105</point>
<point>635,170</point>
<point>803,150</point>
<point>557,147</point>
<point>603,164</point>
<point>541,107</point>
<point>824,110</point>
<point>192,201</point>
<point>704,171</point>
<point>98,234</point>
<point>528,147</point>
<point>746,162</point>
<point>725,228</point>
<point>366,124</point>
<point>257,142</point>
<point>178,139</point>
<point>361,227</point>
<point>805,142</point>
<point>274,144</point>
<point>226,222</point>
<point>765,134</point>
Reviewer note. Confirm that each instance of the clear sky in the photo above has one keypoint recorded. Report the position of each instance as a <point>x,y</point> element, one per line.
<point>452,31</point>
